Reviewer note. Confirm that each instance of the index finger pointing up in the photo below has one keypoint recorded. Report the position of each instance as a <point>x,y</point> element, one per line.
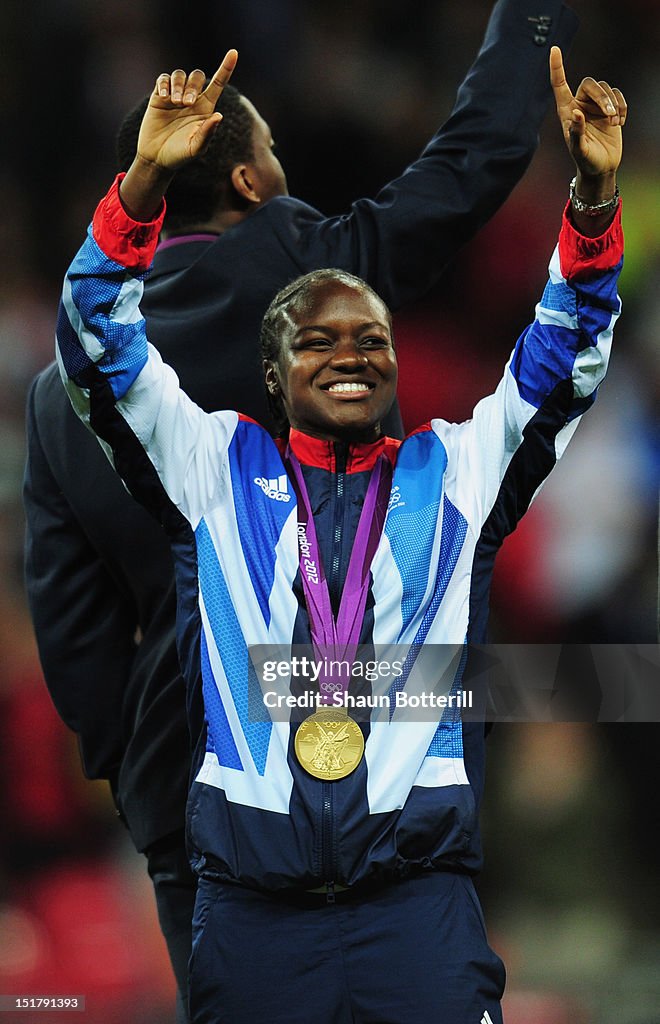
<point>222,76</point>
<point>560,87</point>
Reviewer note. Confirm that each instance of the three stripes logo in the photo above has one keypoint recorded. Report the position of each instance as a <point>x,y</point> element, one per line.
<point>486,1019</point>
<point>277,489</point>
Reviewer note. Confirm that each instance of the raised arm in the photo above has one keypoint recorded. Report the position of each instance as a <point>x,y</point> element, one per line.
<point>167,450</point>
<point>516,435</point>
<point>401,240</point>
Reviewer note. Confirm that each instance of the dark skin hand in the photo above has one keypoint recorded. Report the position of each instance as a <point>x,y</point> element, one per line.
<point>591,122</point>
<point>177,125</point>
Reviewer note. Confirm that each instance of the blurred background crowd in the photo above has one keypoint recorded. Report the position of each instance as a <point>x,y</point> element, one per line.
<point>353,89</point>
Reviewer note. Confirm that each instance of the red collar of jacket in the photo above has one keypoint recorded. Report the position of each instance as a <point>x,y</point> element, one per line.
<point>312,451</point>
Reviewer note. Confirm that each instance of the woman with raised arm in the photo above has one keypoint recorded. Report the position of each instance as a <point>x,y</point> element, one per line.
<point>335,856</point>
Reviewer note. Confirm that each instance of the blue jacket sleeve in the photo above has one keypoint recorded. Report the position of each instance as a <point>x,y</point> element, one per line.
<point>518,433</point>
<point>401,240</point>
<point>168,451</point>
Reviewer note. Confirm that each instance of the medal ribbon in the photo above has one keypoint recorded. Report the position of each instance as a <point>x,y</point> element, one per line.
<point>332,636</point>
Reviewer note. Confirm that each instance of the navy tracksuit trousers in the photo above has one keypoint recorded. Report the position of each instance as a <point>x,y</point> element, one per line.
<point>414,952</point>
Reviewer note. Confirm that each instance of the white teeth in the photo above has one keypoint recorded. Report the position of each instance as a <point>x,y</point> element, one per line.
<point>352,386</point>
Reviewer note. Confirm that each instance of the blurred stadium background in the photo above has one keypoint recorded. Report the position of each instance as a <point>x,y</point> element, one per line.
<point>353,90</point>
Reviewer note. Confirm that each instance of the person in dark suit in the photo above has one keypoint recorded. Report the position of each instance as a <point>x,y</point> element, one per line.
<point>103,602</point>
<point>101,594</point>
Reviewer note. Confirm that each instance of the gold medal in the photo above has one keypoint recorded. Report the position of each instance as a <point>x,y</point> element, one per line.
<point>329,744</point>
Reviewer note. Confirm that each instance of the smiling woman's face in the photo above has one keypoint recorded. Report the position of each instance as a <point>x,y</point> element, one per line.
<point>336,368</point>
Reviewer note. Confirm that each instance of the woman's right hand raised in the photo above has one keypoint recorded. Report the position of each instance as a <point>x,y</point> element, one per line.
<point>177,125</point>
<point>181,116</point>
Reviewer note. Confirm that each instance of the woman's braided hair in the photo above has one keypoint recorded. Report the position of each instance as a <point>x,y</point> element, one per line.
<point>203,186</point>
<point>278,320</point>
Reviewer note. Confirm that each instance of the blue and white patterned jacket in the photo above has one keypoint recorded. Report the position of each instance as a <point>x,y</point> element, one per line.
<point>254,815</point>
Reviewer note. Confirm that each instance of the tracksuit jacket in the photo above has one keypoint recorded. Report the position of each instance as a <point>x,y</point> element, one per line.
<point>218,484</point>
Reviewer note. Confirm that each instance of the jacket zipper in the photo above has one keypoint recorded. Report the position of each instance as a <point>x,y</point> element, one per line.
<point>327,841</point>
